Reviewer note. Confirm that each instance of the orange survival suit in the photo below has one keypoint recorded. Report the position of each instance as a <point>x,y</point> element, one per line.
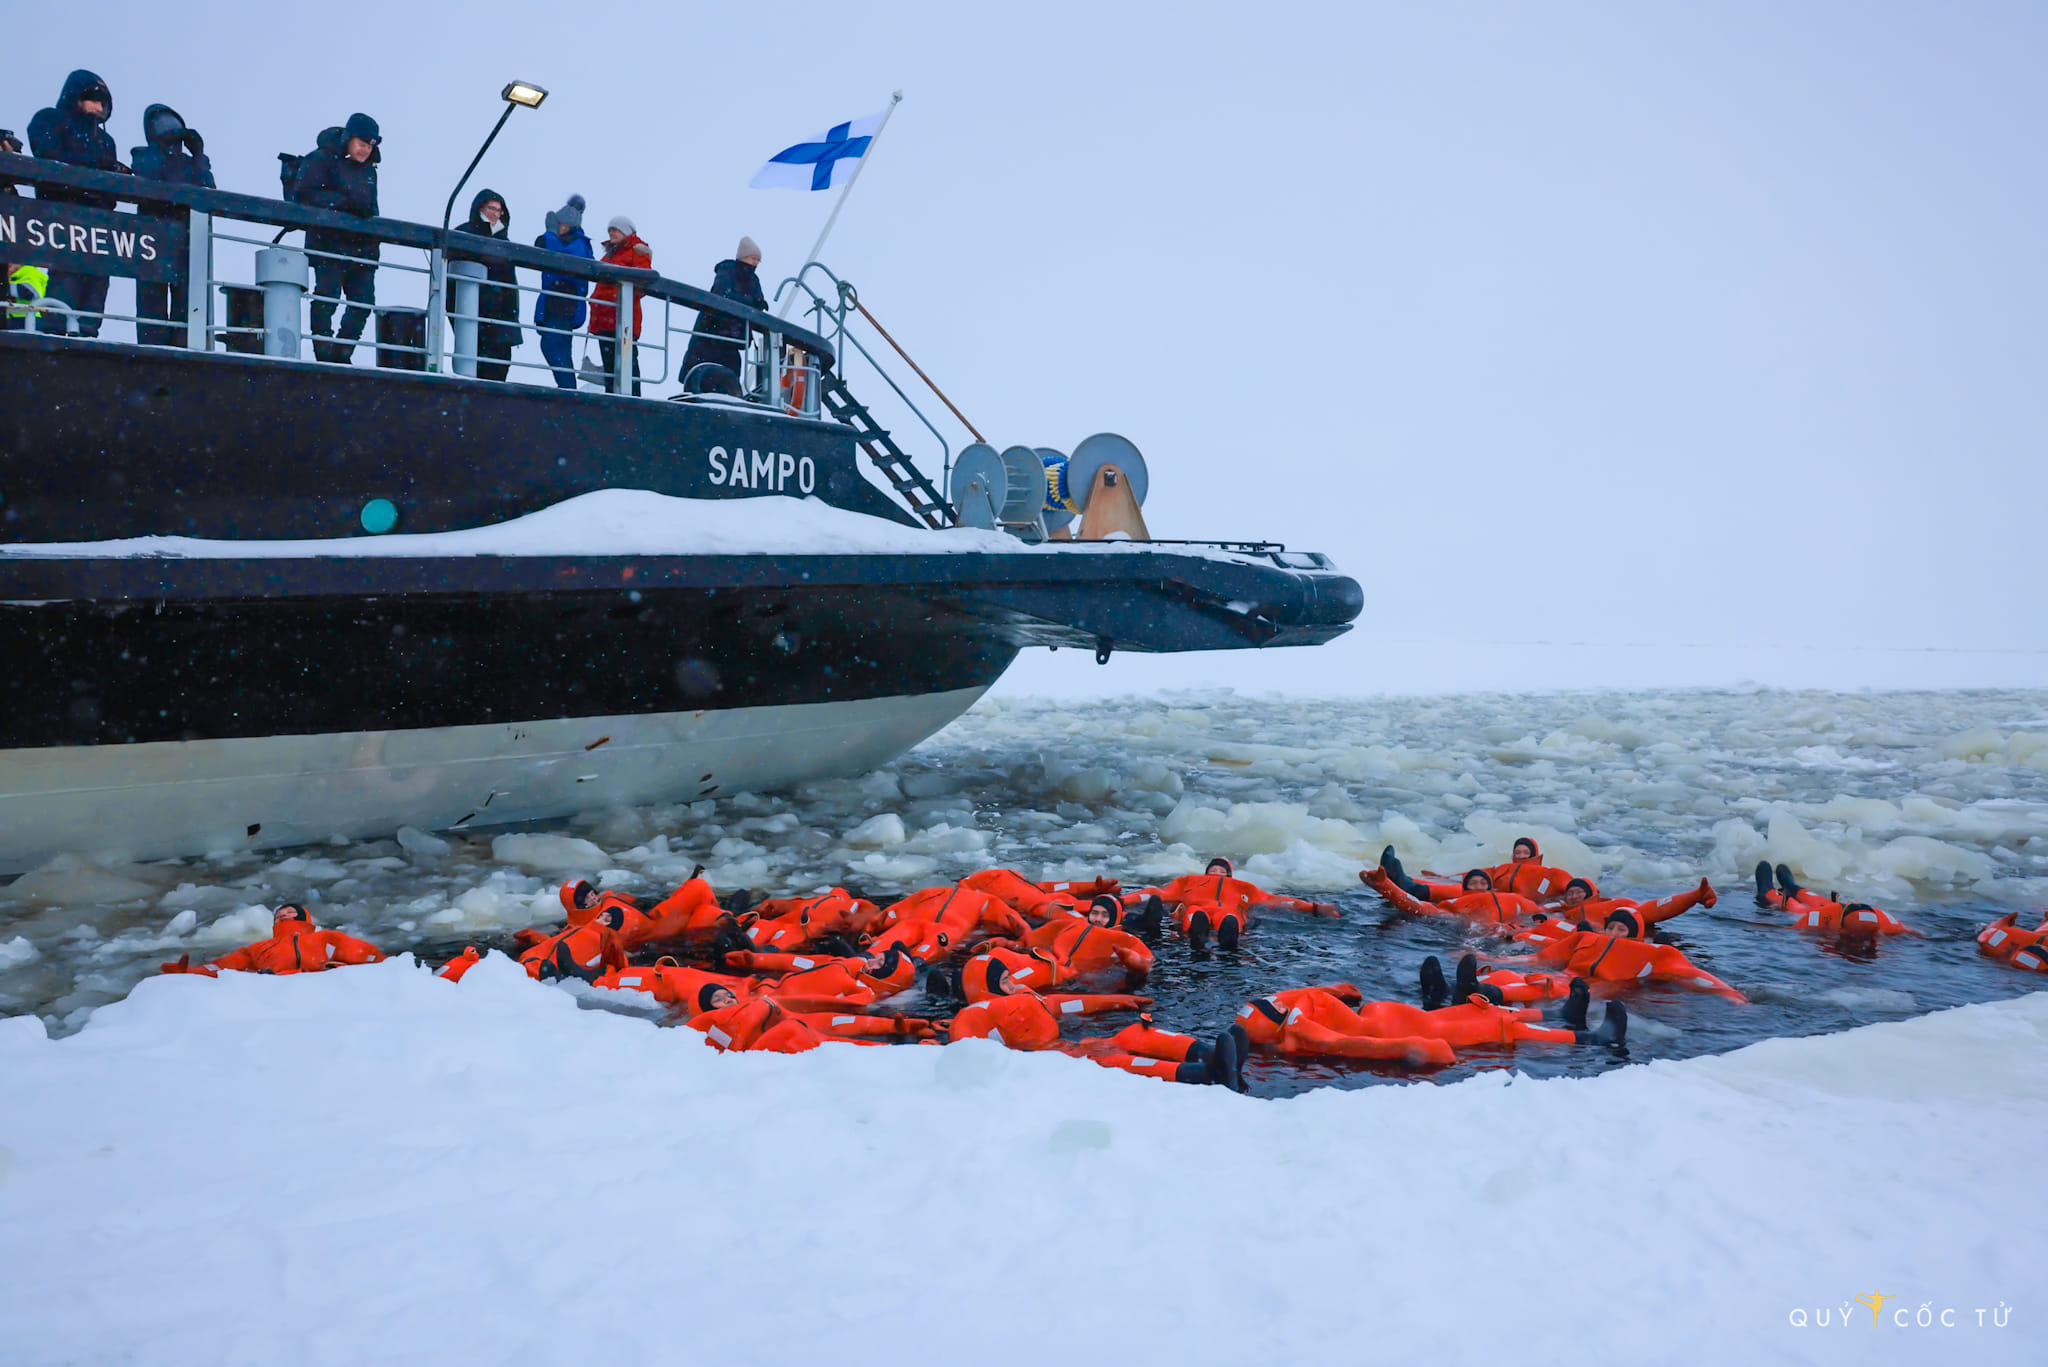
<point>295,945</point>
<point>2005,941</point>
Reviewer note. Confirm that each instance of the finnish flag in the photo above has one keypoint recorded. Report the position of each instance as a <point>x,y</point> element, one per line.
<point>822,162</point>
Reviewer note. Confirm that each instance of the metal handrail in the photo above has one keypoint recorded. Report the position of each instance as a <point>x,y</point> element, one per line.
<point>845,294</point>
<point>280,214</point>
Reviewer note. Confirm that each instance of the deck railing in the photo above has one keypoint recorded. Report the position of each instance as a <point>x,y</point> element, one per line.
<point>247,290</point>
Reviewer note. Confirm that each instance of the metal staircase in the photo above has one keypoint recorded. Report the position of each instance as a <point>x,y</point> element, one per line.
<point>925,501</point>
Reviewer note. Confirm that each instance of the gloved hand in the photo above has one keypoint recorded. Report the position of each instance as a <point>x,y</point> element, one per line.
<point>194,144</point>
<point>183,965</point>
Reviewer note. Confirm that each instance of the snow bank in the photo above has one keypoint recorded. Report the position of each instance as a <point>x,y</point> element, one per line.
<point>373,1165</point>
<point>621,522</point>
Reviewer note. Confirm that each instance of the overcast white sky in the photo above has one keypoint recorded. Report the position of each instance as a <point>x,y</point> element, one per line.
<point>1704,343</point>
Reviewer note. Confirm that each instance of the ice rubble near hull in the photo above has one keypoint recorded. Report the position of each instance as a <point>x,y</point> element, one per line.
<point>375,1165</point>
<point>158,799</point>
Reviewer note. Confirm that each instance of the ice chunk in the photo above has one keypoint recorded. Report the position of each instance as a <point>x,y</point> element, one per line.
<point>16,952</point>
<point>71,881</point>
<point>878,832</point>
<point>418,842</point>
<point>549,853</point>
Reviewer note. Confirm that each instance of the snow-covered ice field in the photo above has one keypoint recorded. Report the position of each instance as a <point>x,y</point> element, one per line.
<point>379,1166</point>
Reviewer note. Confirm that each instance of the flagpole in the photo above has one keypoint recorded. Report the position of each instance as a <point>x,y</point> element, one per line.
<point>895,99</point>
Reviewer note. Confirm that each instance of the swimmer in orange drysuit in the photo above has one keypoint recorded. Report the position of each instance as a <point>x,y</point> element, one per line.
<point>1037,900</point>
<point>469,958</point>
<point>793,923</point>
<point>674,984</point>
<point>586,952</point>
<point>2005,941</point>
<point>1091,946</point>
<point>995,971</point>
<point>1031,1020</point>
<point>691,909</point>
<point>1582,902</point>
<point>1318,1022</point>
<point>1141,1049</point>
<point>1502,987</point>
<point>828,983</point>
<point>765,1025</point>
<point>959,911</point>
<point>1811,911</point>
<point>1613,955</point>
<point>1478,900</point>
<point>1524,874</point>
<point>295,945</point>
<point>1220,902</point>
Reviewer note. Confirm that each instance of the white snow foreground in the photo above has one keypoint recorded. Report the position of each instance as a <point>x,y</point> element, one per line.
<point>374,1165</point>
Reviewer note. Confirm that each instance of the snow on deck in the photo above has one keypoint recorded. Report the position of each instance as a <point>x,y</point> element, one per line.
<point>374,1165</point>
<point>614,522</point>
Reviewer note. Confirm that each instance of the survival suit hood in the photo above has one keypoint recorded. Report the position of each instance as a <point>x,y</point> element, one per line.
<point>1535,851</point>
<point>1628,919</point>
<point>1229,869</point>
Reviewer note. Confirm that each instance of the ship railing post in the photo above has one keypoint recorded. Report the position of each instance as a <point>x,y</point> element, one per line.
<point>437,306</point>
<point>281,272</point>
<point>773,371</point>
<point>199,283</point>
<point>462,318</point>
<point>622,340</point>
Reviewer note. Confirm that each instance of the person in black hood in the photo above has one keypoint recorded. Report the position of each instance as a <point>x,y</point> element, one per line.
<point>717,338</point>
<point>74,131</point>
<point>175,154</point>
<point>341,174</point>
<point>499,332</point>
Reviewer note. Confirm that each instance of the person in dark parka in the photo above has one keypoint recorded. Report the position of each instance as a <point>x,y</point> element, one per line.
<point>175,154</point>
<point>74,131</point>
<point>719,339</point>
<point>499,333</point>
<point>560,310</point>
<point>341,174</point>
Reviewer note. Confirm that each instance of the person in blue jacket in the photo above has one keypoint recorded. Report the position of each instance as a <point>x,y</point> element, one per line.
<point>175,154</point>
<point>74,131</point>
<point>560,310</point>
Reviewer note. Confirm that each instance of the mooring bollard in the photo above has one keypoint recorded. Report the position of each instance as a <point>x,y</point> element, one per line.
<point>281,271</point>
<point>462,312</point>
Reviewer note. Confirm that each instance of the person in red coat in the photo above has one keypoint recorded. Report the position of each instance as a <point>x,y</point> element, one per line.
<point>622,247</point>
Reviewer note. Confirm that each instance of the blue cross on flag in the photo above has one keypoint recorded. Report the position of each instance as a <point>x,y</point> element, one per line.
<point>822,162</point>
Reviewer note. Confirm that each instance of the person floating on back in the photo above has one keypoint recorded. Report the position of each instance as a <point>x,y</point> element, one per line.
<point>295,945</point>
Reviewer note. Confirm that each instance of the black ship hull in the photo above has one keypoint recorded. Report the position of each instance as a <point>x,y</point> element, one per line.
<point>280,678</point>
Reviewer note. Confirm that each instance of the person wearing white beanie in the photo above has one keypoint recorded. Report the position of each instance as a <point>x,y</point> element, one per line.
<point>623,247</point>
<point>717,340</point>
